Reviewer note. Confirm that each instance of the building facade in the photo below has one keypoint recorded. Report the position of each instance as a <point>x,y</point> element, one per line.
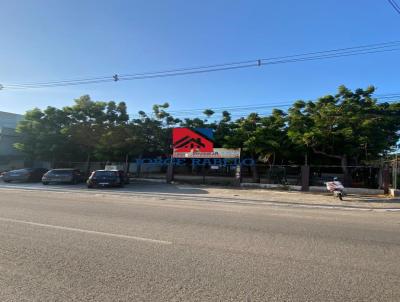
<point>9,120</point>
<point>9,156</point>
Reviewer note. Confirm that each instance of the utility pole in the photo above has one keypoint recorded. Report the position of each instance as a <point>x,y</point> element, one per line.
<point>170,168</point>
<point>395,167</point>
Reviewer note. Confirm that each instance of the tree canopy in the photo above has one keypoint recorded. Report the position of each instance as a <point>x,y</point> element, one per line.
<point>348,127</point>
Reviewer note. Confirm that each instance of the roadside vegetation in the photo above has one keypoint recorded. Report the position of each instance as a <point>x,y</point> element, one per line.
<point>349,127</point>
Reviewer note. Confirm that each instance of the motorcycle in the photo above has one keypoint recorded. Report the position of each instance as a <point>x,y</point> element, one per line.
<point>335,187</point>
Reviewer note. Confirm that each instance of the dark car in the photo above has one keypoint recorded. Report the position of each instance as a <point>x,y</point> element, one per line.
<point>106,178</point>
<point>71,176</point>
<point>24,175</point>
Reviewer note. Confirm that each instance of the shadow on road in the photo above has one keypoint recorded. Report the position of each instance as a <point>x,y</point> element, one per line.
<point>134,186</point>
<point>145,187</point>
<point>186,192</point>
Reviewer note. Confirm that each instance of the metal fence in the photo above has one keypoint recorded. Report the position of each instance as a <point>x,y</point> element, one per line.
<point>272,174</point>
<point>357,176</point>
<point>206,174</point>
<point>285,175</point>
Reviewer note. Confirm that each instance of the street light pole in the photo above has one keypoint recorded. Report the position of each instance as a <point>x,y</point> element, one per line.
<point>395,167</point>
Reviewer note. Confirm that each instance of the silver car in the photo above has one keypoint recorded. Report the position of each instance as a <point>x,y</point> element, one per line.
<point>72,176</point>
<point>24,175</point>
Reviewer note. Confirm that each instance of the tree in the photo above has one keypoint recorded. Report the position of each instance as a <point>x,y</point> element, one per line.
<point>242,136</point>
<point>42,135</point>
<point>114,142</point>
<point>223,129</point>
<point>78,132</point>
<point>270,138</point>
<point>29,130</point>
<point>96,127</point>
<point>349,126</point>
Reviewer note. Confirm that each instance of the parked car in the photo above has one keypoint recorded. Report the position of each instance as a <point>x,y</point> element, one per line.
<point>106,178</point>
<point>24,175</point>
<point>72,176</point>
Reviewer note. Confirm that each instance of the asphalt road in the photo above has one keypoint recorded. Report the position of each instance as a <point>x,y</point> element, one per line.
<point>92,246</point>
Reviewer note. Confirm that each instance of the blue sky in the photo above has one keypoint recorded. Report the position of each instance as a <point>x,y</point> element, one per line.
<point>52,40</point>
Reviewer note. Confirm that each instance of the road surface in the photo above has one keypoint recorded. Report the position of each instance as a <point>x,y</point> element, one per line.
<point>93,246</point>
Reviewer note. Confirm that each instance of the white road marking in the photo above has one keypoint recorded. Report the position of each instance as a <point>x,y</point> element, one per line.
<point>57,227</point>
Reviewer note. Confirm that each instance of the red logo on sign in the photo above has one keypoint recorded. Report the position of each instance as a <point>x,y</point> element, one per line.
<point>188,140</point>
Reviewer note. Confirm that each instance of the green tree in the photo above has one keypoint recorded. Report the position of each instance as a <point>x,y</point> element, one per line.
<point>95,127</point>
<point>223,129</point>
<point>42,135</point>
<point>347,127</point>
<point>269,140</point>
<point>350,127</point>
<point>115,140</point>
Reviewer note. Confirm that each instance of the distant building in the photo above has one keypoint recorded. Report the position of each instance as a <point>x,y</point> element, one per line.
<point>9,156</point>
<point>9,120</point>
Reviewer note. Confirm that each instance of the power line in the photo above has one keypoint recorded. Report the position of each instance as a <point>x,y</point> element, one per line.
<point>243,110</point>
<point>255,106</point>
<point>160,74</point>
<point>310,56</point>
<point>395,5</point>
<point>380,45</point>
<point>149,76</point>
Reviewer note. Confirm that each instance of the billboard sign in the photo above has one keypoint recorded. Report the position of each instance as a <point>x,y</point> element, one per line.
<point>216,153</point>
<point>192,140</point>
<point>198,143</point>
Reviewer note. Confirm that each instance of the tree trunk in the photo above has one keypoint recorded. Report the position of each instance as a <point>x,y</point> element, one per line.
<point>347,175</point>
<point>139,166</point>
<point>52,164</point>
<point>127,163</point>
<point>254,173</point>
<point>343,162</point>
<point>88,164</point>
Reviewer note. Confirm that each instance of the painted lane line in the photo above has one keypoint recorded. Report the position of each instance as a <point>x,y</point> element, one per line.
<point>57,227</point>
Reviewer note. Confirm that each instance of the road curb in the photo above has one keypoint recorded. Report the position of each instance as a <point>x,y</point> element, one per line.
<point>213,199</point>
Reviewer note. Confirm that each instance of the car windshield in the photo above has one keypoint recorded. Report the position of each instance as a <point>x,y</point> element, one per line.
<point>105,174</point>
<point>60,172</point>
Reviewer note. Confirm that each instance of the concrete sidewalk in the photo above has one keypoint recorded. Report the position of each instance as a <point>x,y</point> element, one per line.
<point>207,193</point>
<point>303,198</point>
<point>296,197</point>
<point>244,194</point>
